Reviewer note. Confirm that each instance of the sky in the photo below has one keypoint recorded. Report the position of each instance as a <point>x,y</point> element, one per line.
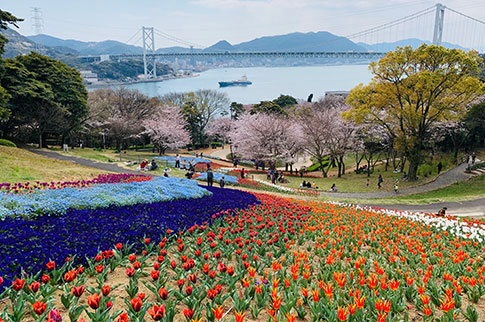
<point>204,22</point>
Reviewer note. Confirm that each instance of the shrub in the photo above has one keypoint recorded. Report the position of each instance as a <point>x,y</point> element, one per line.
<point>7,143</point>
<point>425,170</point>
<point>317,166</point>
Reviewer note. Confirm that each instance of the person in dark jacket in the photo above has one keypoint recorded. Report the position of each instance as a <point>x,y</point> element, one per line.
<point>210,177</point>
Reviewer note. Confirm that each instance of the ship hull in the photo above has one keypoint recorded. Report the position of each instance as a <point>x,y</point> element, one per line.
<point>226,84</point>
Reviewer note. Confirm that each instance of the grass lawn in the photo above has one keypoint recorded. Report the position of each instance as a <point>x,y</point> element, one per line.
<point>460,191</point>
<point>18,165</point>
<point>106,155</point>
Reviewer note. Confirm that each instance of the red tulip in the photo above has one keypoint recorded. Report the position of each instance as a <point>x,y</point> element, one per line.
<point>106,290</point>
<point>77,291</point>
<point>93,301</point>
<point>157,312</point>
<point>39,307</point>
<point>163,293</point>
<point>155,275</point>
<point>34,287</point>
<point>18,284</point>
<point>136,304</point>
<point>51,265</point>
<point>188,313</point>
<point>45,279</point>
<point>123,317</point>
<point>130,272</point>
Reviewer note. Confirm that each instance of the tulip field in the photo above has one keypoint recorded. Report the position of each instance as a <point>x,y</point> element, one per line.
<point>212,254</point>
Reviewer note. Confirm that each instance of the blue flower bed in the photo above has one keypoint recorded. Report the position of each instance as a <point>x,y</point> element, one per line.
<point>217,176</point>
<point>193,160</point>
<point>31,243</point>
<point>57,202</point>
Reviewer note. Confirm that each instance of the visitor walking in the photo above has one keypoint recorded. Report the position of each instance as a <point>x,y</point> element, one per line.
<point>183,164</point>
<point>367,183</point>
<point>440,166</point>
<point>379,182</point>
<point>473,158</point>
<point>177,161</point>
<point>242,173</point>
<point>273,177</point>
<point>396,186</point>
<point>222,182</point>
<point>210,177</point>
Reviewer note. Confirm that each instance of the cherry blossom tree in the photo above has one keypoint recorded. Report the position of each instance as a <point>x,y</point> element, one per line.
<point>327,137</point>
<point>268,138</point>
<point>167,129</point>
<point>221,128</point>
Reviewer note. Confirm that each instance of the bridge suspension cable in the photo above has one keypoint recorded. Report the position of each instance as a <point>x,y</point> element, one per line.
<point>392,23</point>
<point>177,40</point>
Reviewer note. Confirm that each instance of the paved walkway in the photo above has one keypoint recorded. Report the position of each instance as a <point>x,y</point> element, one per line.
<point>470,208</point>
<point>445,179</point>
<point>86,162</point>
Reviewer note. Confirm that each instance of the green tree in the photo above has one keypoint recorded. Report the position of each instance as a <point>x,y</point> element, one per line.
<point>475,123</point>
<point>199,108</point>
<point>236,109</point>
<point>66,85</point>
<point>285,100</point>
<point>6,18</point>
<point>46,95</point>
<point>31,102</point>
<point>267,107</point>
<point>412,90</point>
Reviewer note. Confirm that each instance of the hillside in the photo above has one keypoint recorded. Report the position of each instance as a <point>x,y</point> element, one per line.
<point>21,45</point>
<point>297,41</point>
<point>413,42</point>
<point>107,47</point>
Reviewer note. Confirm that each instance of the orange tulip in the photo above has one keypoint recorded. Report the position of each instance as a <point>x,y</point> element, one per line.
<point>342,313</point>
<point>239,316</point>
<point>218,312</point>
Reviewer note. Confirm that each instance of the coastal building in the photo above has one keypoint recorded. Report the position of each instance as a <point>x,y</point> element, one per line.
<point>343,94</point>
<point>89,77</point>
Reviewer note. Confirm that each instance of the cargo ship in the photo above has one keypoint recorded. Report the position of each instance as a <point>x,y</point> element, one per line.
<point>242,82</point>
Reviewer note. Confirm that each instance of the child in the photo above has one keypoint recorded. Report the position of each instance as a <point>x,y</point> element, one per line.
<point>396,187</point>
<point>367,182</point>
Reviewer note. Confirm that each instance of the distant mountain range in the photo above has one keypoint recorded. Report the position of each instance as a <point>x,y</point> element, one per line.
<point>293,42</point>
<point>413,42</point>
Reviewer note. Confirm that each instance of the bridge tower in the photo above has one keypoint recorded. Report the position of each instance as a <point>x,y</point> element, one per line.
<point>149,61</point>
<point>438,24</point>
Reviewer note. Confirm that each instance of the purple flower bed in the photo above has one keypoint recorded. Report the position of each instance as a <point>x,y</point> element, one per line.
<point>30,244</point>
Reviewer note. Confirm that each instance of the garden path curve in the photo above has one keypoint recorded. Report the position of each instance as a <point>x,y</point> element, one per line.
<point>444,179</point>
<point>85,162</point>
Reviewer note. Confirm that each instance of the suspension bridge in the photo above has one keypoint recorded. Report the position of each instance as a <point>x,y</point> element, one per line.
<point>427,25</point>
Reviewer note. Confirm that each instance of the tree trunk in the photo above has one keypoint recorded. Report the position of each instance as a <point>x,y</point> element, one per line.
<point>414,161</point>
<point>343,164</point>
